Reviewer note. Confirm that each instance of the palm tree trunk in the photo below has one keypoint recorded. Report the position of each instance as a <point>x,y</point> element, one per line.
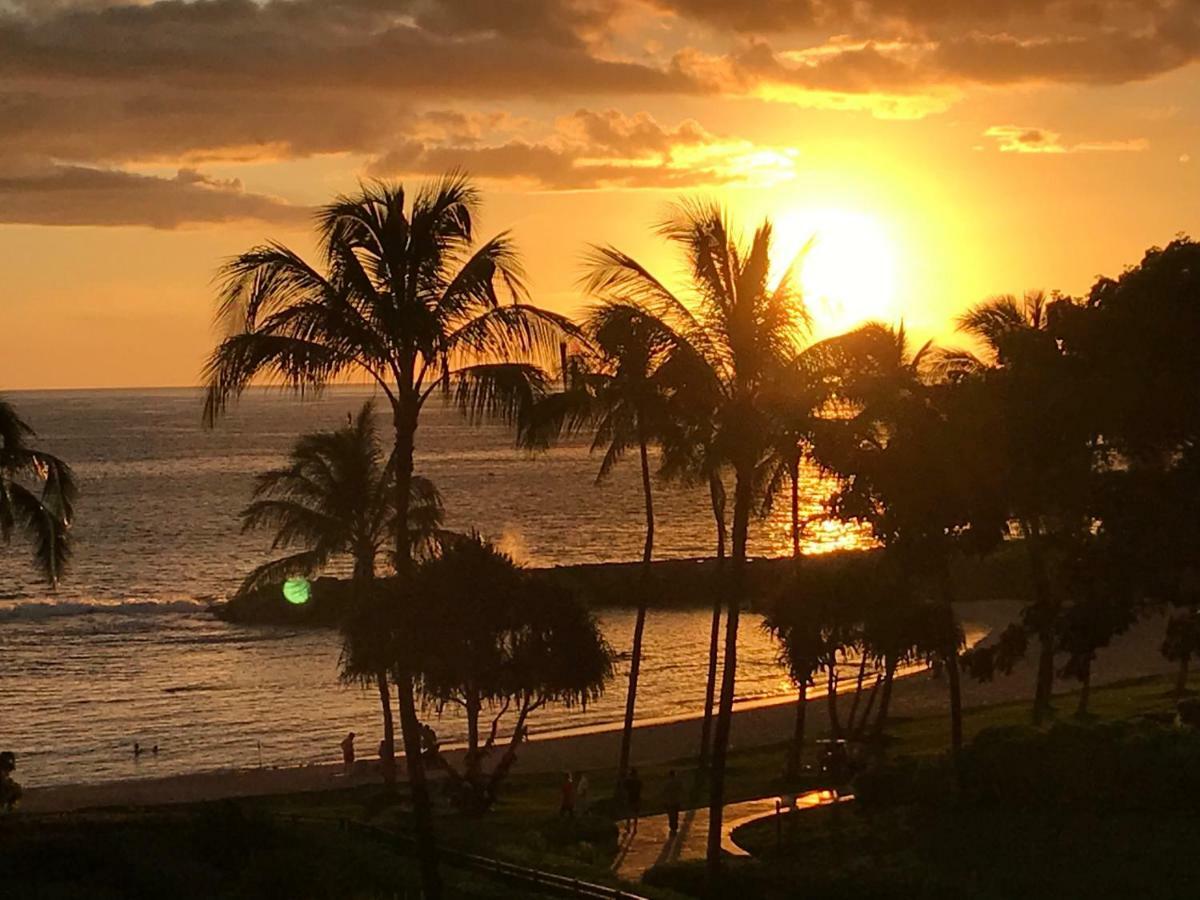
<point>831,698</point>
<point>953,675</point>
<point>885,698</point>
<point>743,495</point>
<point>635,659</point>
<point>388,760</point>
<point>858,688</point>
<point>956,717</point>
<point>1044,686</point>
<point>794,473</point>
<point>716,494</point>
<point>405,418</point>
<point>796,748</point>
<point>1085,691</point>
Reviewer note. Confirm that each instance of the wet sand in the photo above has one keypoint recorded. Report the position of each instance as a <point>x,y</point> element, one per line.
<point>917,694</point>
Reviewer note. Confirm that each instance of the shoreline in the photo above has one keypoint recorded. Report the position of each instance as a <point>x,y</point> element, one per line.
<point>758,724</point>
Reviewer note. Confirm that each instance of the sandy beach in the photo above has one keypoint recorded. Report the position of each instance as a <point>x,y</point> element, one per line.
<point>917,694</point>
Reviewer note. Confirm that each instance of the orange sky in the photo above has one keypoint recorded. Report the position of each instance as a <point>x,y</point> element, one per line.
<point>942,151</point>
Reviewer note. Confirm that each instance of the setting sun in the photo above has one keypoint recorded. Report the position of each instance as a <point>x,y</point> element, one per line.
<point>847,274</point>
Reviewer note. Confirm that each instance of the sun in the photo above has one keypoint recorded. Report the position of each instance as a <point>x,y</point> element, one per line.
<point>845,264</point>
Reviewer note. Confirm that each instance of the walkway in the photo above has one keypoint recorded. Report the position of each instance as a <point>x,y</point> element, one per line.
<point>651,842</point>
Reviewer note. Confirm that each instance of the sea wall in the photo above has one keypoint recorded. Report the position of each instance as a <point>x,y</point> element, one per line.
<point>676,583</point>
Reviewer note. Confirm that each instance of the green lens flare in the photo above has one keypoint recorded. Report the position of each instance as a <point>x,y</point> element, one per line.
<point>297,591</point>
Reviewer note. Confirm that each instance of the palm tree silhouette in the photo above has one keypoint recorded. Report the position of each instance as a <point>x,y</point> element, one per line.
<point>334,499</point>
<point>409,300</point>
<point>615,387</point>
<point>690,458</point>
<point>37,496</point>
<point>1047,445</point>
<point>735,338</point>
<point>918,467</point>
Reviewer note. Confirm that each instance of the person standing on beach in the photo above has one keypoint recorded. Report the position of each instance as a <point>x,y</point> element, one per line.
<point>567,807</point>
<point>633,796</point>
<point>673,799</point>
<point>10,791</point>
<point>348,752</point>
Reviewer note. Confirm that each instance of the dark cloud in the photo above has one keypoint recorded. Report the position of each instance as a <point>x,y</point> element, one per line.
<point>76,195</point>
<point>364,45</point>
<point>228,79</point>
<point>955,42</point>
<point>589,149</point>
<point>543,166</point>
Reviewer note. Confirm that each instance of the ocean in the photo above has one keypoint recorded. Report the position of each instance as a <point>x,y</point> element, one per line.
<point>127,650</point>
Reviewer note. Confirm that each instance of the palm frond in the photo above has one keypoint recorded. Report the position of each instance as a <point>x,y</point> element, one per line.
<point>269,574</point>
<point>47,532</point>
<point>503,391</point>
<point>302,365</point>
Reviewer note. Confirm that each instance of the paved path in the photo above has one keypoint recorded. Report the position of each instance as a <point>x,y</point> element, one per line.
<point>651,842</point>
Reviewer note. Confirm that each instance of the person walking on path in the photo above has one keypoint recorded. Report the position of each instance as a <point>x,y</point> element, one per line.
<point>633,796</point>
<point>567,807</point>
<point>348,753</point>
<point>673,800</point>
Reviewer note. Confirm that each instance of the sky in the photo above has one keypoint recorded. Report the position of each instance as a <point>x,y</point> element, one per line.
<point>936,152</point>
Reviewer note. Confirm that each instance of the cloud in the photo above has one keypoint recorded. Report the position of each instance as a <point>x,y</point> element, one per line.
<point>77,195</point>
<point>1018,139</point>
<point>905,46</point>
<point>593,149</point>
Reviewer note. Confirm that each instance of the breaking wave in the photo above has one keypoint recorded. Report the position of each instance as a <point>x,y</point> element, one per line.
<point>36,610</point>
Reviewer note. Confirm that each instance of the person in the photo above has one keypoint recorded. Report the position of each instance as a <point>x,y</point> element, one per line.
<point>581,791</point>
<point>633,796</point>
<point>10,791</point>
<point>673,799</point>
<point>137,749</point>
<point>348,752</point>
<point>567,806</point>
<point>429,742</point>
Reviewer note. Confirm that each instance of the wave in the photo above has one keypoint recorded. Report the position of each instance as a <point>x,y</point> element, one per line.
<point>36,610</point>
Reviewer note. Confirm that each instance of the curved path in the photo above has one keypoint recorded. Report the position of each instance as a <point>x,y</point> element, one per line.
<point>650,841</point>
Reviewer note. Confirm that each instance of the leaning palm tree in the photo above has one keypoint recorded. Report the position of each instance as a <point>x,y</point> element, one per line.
<point>334,500</point>
<point>735,339</point>
<point>37,496</point>
<point>404,297</point>
<point>615,388</point>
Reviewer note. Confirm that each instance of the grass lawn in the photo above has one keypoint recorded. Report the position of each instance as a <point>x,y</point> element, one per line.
<point>949,850</point>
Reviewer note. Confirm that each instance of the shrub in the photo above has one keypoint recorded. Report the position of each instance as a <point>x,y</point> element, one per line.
<point>905,781</point>
<point>1108,766</point>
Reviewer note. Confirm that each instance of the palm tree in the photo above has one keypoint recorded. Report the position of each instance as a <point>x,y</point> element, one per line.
<point>615,388</point>
<point>797,411</point>
<point>334,499</point>
<point>734,338</point>
<point>690,458</point>
<point>37,496</point>
<point>1047,445</point>
<point>407,299</point>
<point>917,462</point>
